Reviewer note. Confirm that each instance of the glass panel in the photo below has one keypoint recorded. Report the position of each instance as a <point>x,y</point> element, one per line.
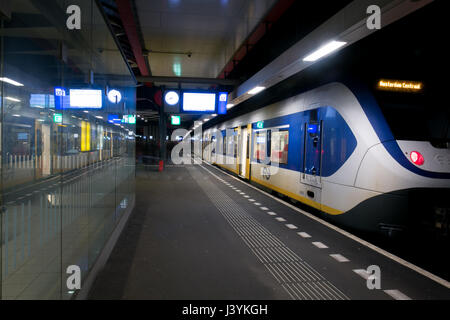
<point>67,173</point>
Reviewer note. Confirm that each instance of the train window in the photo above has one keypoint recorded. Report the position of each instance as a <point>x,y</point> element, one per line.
<point>260,149</point>
<point>415,118</point>
<point>280,146</point>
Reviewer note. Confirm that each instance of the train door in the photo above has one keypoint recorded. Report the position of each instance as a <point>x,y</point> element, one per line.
<point>243,152</point>
<point>46,133</point>
<point>312,153</point>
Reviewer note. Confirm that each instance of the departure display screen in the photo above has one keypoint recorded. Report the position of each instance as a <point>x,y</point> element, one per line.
<point>199,102</point>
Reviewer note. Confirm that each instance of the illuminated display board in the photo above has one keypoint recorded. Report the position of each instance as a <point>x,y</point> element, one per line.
<point>400,85</point>
<point>199,102</point>
<point>86,98</point>
<point>114,118</point>
<point>42,101</point>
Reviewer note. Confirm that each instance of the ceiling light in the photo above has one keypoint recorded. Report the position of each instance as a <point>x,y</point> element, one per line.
<point>325,50</point>
<point>14,83</point>
<point>99,117</point>
<point>214,115</point>
<point>256,90</point>
<point>12,99</point>
<point>86,111</point>
<point>230,105</point>
<point>16,115</point>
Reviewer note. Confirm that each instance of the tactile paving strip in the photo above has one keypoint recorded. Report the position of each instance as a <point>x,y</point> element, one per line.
<point>298,278</point>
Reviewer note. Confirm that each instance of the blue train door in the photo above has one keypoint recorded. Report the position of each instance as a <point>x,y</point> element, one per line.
<point>312,153</point>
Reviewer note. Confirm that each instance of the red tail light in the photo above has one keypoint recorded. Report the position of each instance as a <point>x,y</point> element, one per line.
<point>417,158</point>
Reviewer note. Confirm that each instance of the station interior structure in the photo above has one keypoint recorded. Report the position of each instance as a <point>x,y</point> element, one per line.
<point>224,150</point>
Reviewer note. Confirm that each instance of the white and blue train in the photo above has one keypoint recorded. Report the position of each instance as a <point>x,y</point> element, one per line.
<point>333,149</point>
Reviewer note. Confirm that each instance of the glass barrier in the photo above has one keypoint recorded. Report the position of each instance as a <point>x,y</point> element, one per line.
<point>68,107</point>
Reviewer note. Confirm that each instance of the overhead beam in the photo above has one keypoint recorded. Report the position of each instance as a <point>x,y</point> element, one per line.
<point>212,81</point>
<point>130,26</point>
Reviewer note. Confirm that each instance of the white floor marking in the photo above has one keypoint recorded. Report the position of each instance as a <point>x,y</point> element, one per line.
<point>246,196</point>
<point>264,208</point>
<point>304,235</point>
<point>242,193</point>
<point>339,258</point>
<point>257,204</point>
<point>391,256</point>
<point>361,272</point>
<point>280,219</point>
<point>238,190</point>
<point>251,200</point>
<point>270,213</point>
<point>319,245</point>
<point>291,226</point>
<point>397,295</point>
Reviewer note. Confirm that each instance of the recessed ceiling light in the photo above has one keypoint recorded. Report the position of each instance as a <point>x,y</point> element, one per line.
<point>325,50</point>
<point>256,90</point>
<point>12,99</point>
<point>10,81</point>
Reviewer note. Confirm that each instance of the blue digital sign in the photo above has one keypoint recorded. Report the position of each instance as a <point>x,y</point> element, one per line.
<point>114,118</point>
<point>223,101</point>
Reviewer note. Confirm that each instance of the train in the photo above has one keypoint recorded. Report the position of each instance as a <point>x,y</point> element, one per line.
<point>361,137</point>
<point>36,147</point>
<point>334,149</point>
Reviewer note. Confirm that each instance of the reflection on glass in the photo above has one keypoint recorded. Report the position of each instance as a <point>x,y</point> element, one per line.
<point>67,172</point>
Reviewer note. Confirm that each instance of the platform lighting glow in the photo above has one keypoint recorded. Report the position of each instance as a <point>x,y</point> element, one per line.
<point>206,120</point>
<point>99,117</point>
<point>214,115</point>
<point>12,99</point>
<point>16,115</point>
<point>324,51</point>
<point>256,90</point>
<point>10,81</point>
<point>230,105</point>
<point>86,111</point>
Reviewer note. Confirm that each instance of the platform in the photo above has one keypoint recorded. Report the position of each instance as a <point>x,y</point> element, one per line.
<point>199,233</point>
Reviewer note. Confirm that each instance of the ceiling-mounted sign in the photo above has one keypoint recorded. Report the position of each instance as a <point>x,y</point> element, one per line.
<point>199,102</point>
<point>114,96</point>
<point>260,125</point>
<point>176,120</point>
<point>400,85</point>
<point>57,118</point>
<point>86,99</point>
<point>129,118</point>
<point>223,101</point>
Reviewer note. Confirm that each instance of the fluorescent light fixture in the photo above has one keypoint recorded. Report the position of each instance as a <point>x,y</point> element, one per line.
<point>214,115</point>
<point>86,111</point>
<point>206,120</point>
<point>99,117</point>
<point>230,105</point>
<point>12,99</point>
<point>325,50</point>
<point>256,90</point>
<point>10,81</point>
<point>16,115</point>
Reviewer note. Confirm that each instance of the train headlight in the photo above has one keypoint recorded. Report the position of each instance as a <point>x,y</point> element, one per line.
<point>417,158</point>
